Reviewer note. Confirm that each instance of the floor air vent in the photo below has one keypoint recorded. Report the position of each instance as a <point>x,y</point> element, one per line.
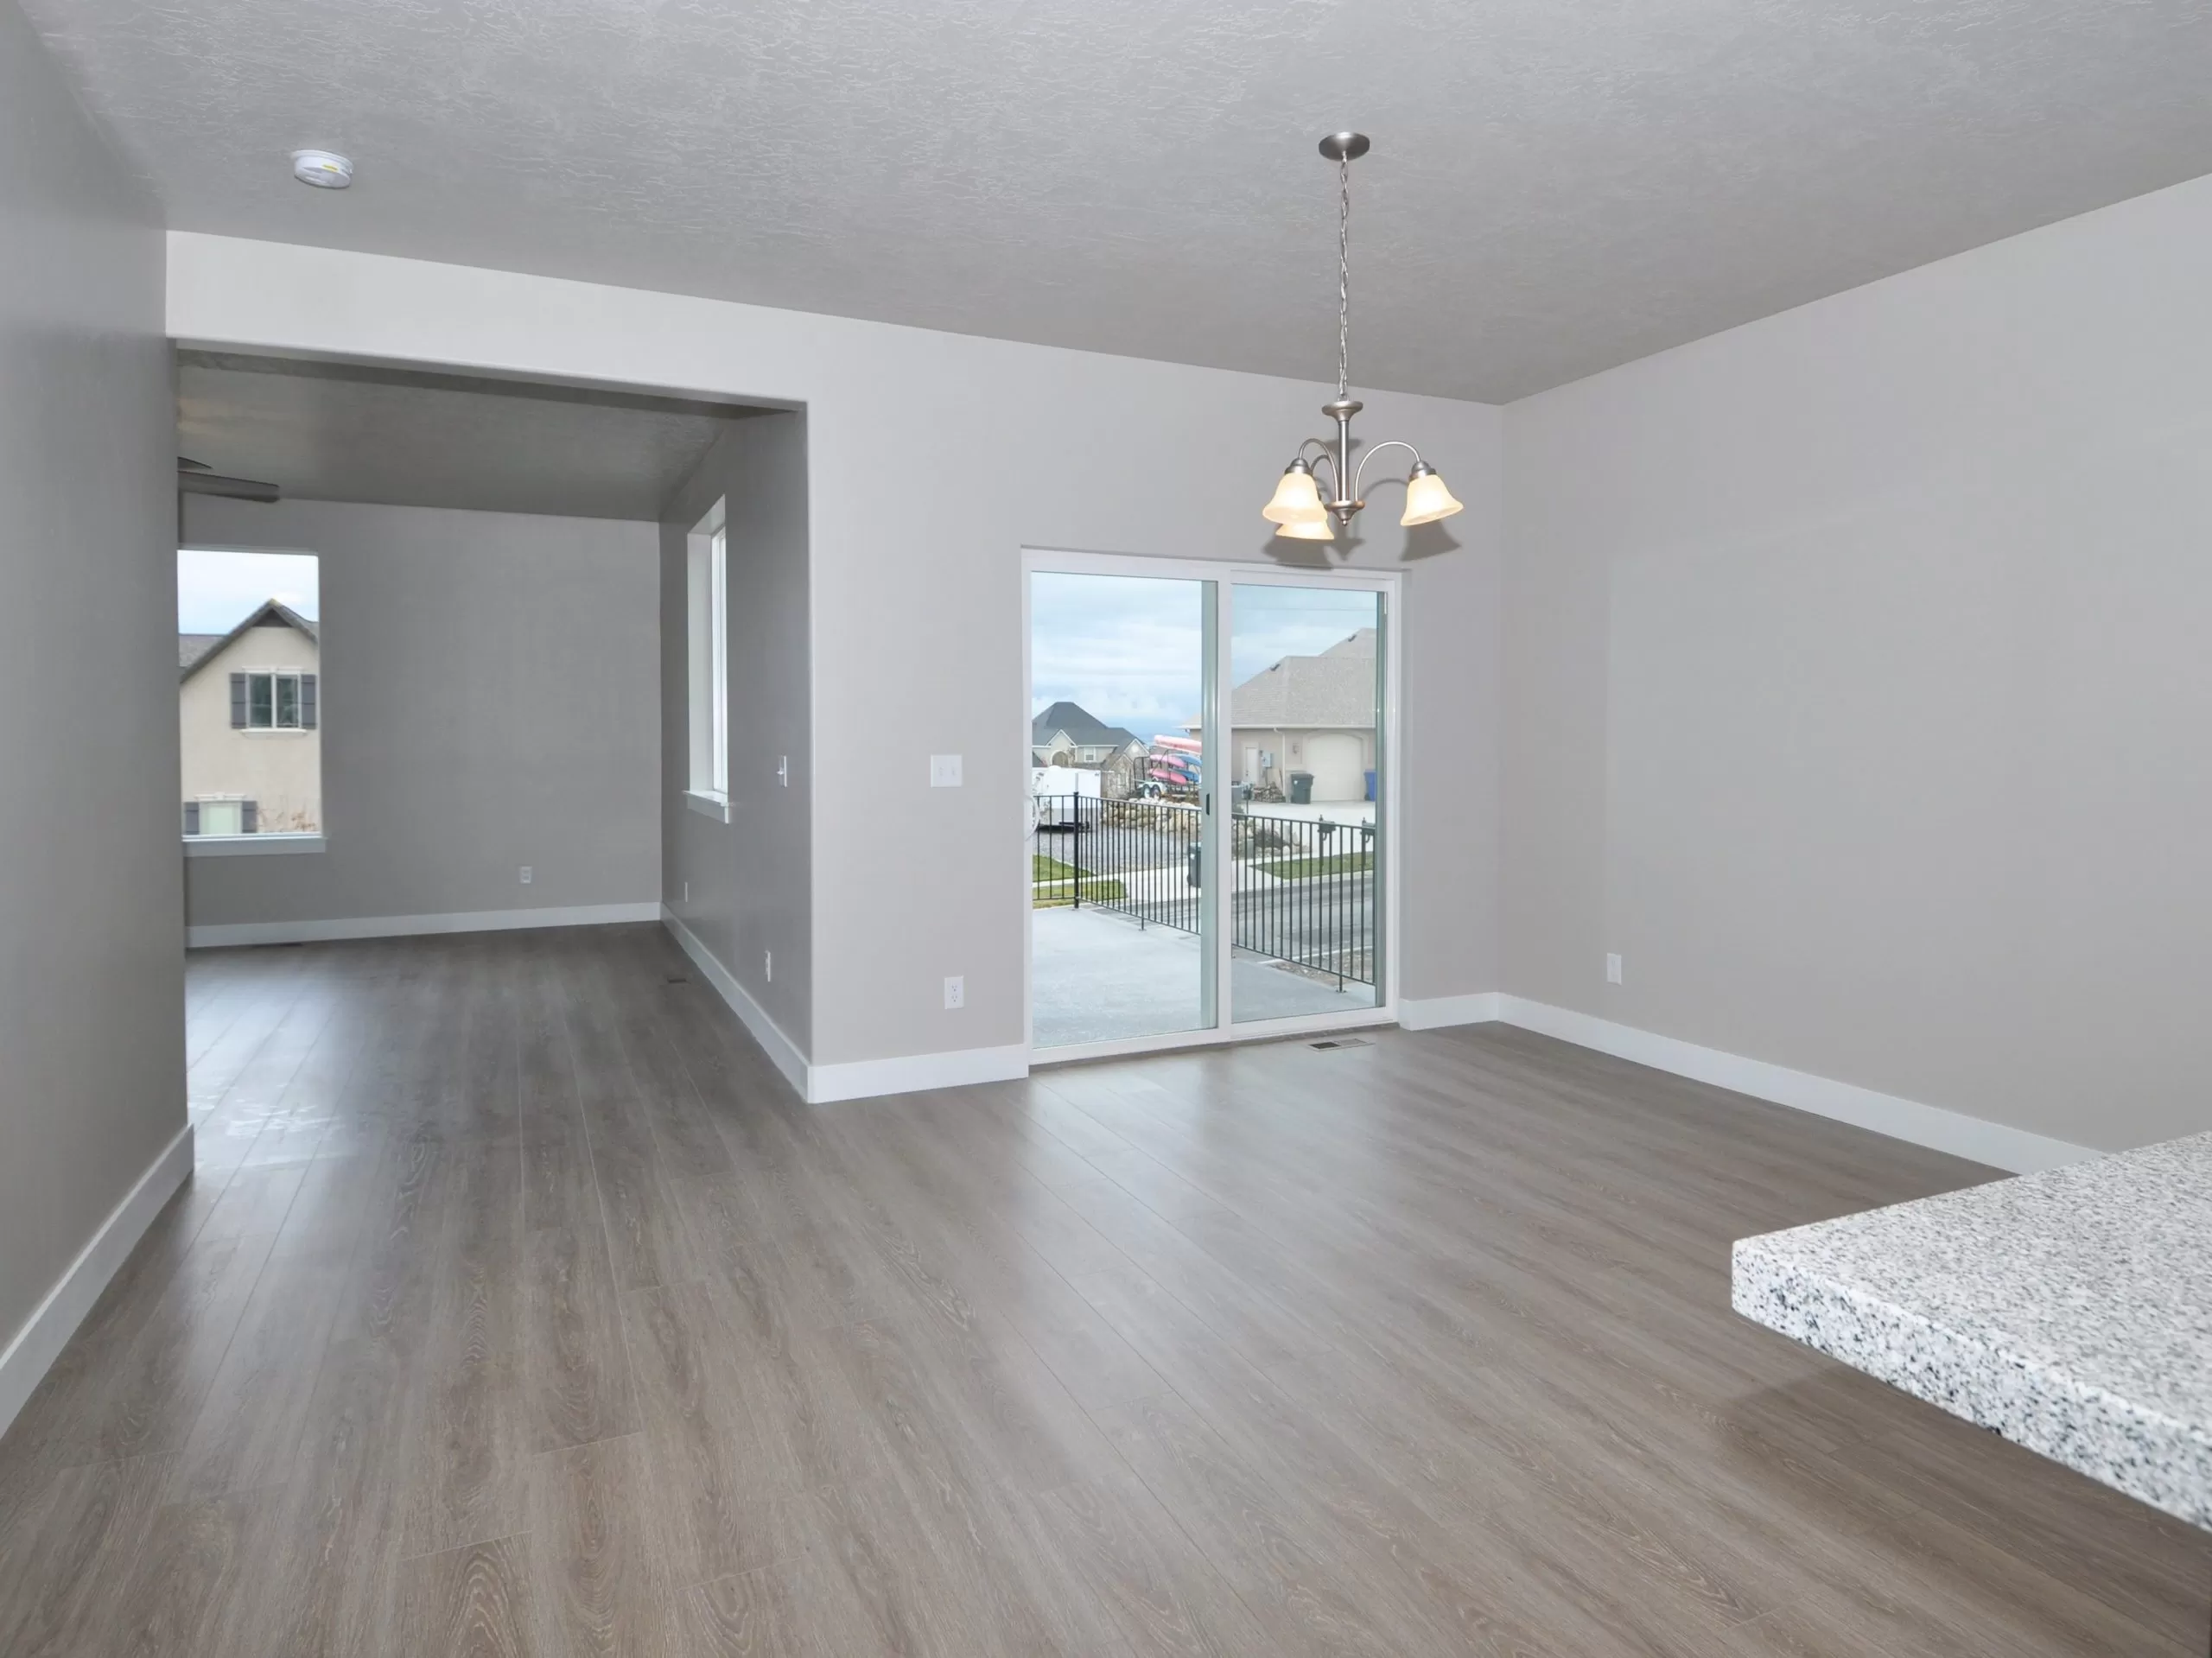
<point>1343,1042</point>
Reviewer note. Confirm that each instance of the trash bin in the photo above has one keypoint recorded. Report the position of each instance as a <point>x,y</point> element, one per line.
<point>1370,785</point>
<point>1195,866</point>
<point>1301,788</point>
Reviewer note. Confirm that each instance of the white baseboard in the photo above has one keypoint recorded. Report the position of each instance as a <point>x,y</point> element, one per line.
<point>780,1049</point>
<point>409,926</point>
<point>1432,1013</point>
<point>46,1331</point>
<point>1935,1127</point>
<point>859,1079</point>
<point>2019,1150</point>
<point>863,1079</point>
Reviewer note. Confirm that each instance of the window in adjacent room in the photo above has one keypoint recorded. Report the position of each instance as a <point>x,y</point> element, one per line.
<point>221,814</point>
<point>250,699</point>
<point>706,632</point>
<point>274,701</point>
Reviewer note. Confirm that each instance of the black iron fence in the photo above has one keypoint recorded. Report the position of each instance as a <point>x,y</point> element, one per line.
<point>1134,857</point>
<point>1303,888</point>
<point>1305,892</point>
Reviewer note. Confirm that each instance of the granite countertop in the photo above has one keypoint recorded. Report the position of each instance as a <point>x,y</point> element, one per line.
<point>2069,1309</point>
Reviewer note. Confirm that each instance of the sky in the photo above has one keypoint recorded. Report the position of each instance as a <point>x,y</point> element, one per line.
<point>217,591</point>
<point>1129,649</point>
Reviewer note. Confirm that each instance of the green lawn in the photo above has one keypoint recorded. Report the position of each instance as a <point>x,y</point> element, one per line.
<point>1340,863</point>
<point>1096,889</point>
<point>1056,884</point>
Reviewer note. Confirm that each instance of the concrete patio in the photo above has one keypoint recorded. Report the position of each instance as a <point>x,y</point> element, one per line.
<point>1098,976</point>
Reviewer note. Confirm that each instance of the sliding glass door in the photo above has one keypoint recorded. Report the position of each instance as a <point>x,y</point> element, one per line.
<point>1121,922</point>
<point>1208,828</point>
<point>1305,773</point>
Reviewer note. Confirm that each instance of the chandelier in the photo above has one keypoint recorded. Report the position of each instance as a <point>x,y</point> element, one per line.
<point>1298,511</point>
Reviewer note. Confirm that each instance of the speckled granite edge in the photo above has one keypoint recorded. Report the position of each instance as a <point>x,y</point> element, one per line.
<point>2164,1463</point>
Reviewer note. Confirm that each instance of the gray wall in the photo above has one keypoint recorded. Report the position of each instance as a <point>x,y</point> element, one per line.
<point>1853,688</point>
<point>750,879</point>
<point>933,461</point>
<point>934,465</point>
<point>91,997</point>
<point>490,698</point>
<point>1858,683</point>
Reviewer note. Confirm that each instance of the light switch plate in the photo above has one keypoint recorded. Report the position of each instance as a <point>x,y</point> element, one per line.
<point>944,770</point>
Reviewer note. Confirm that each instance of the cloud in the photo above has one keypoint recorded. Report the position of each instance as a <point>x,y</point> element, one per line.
<point>1272,623</point>
<point>216,591</point>
<point>1131,649</point>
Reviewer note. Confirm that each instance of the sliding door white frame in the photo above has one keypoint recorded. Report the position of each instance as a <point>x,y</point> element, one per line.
<point>1227,576</point>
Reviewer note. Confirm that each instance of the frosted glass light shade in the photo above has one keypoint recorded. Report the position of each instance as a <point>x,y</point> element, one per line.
<point>1316,529</point>
<point>1427,500</point>
<point>1296,501</point>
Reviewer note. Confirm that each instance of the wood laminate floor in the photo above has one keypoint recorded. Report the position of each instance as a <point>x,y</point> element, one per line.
<point>516,1308</point>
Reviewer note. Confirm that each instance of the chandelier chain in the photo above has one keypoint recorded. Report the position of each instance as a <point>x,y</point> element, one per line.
<point>1344,277</point>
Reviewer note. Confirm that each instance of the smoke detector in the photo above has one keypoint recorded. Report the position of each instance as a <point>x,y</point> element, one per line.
<point>322,168</point>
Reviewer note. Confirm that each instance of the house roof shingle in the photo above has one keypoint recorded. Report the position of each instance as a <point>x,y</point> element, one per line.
<point>194,649</point>
<point>1083,728</point>
<point>1337,687</point>
<point>190,647</point>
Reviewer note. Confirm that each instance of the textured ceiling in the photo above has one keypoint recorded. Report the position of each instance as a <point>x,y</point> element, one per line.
<point>1557,184</point>
<point>340,432</point>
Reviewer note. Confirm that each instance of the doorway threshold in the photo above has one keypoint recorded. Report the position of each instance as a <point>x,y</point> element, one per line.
<point>1367,1019</point>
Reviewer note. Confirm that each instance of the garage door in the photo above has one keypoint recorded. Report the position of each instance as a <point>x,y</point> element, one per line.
<point>1333,758</point>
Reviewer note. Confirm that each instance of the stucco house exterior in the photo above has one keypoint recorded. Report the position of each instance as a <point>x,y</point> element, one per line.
<point>250,718</point>
<point>1317,714</point>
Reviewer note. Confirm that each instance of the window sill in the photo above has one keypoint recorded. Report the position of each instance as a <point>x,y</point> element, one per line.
<point>248,846</point>
<point>708,805</point>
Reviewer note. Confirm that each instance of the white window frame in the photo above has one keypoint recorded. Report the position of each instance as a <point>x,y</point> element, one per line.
<point>707,661</point>
<point>718,612</point>
<point>272,675</point>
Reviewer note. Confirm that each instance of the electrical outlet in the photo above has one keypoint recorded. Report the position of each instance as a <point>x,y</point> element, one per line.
<point>956,992</point>
<point>768,965</point>
<point>525,875</point>
<point>1612,970</point>
<point>944,770</point>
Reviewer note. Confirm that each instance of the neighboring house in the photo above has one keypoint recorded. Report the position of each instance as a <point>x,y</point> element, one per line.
<point>1309,714</point>
<point>249,710</point>
<point>1068,735</point>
